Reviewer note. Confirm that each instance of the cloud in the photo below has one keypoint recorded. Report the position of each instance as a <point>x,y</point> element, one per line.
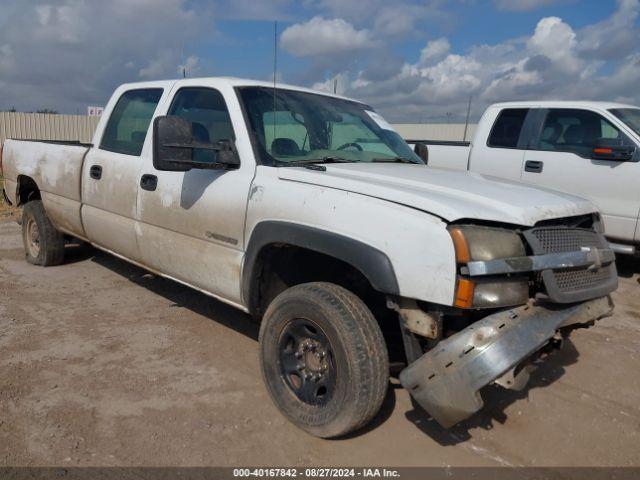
<point>70,53</point>
<point>435,50</point>
<point>523,5</point>
<point>555,61</point>
<point>391,20</point>
<point>614,37</point>
<point>556,40</point>
<point>320,36</point>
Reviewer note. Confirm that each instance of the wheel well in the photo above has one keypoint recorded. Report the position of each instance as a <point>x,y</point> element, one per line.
<point>280,266</point>
<point>27,190</point>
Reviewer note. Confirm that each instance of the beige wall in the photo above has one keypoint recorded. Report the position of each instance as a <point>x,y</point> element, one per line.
<point>435,131</point>
<point>40,126</point>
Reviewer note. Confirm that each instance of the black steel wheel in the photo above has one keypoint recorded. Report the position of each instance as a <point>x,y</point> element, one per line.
<point>323,359</point>
<point>306,362</point>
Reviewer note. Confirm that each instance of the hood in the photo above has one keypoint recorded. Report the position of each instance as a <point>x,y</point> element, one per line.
<point>448,194</point>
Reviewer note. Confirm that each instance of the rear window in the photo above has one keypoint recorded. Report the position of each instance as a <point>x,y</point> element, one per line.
<point>506,131</point>
<point>127,127</point>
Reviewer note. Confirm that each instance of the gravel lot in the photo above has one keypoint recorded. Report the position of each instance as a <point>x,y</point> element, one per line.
<point>104,364</point>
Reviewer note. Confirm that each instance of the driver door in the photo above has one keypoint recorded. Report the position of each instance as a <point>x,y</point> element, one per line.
<point>192,223</point>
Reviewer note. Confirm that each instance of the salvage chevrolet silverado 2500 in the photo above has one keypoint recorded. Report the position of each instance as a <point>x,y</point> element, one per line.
<point>589,149</point>
<point>308,211</point>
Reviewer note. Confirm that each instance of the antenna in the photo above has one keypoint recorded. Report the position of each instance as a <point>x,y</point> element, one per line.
<point>275,65</point>
<point>466,123</point>
<point>184,66</point>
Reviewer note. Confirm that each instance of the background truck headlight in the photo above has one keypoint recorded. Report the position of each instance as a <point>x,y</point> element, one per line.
<point>478,243</point>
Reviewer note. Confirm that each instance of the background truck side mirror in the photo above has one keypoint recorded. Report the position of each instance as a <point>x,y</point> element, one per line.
<point>614,150</point>
<point>174,145</point>
<point>422,151</point>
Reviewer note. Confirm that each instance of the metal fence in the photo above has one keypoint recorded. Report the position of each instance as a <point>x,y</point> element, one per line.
<point>42,126</point>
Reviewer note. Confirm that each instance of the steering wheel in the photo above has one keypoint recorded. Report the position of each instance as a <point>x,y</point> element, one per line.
<point>350,144</point>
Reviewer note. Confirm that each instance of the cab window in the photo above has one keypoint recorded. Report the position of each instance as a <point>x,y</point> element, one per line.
<point>127,127</point>
<point>506,131</point>
<point>207,111</point>
<point>577,131</point>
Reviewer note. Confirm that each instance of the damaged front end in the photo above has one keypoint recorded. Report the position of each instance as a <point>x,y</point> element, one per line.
<point>446,380</point>
<point>560,273</point>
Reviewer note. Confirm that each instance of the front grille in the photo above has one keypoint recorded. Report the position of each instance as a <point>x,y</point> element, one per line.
<point>574,284</point>
<point>579,279</point>
<point>556,240</point>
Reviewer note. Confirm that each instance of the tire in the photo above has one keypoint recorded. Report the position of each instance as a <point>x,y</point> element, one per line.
<point>323,359</point>
<point>43,244</point>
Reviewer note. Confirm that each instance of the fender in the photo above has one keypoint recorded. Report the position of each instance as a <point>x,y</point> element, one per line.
<point>373,263</point>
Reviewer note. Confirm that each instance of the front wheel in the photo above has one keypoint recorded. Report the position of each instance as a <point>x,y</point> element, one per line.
<point>43,244</point>
<point>323,359</point>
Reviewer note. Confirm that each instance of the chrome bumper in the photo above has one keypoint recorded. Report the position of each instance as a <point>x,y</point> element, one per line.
<point>446,380</point>
<point>589,257</point>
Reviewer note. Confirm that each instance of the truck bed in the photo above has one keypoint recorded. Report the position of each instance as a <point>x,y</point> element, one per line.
<point>56,168</point>
<point>446,154</point>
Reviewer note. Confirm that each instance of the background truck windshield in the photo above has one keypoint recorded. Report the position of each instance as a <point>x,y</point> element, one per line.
<point>292,126</point>
<point>630,116</point>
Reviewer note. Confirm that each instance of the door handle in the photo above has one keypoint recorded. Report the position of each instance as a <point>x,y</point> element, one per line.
<point>148,182</point>
<point>533,166</point>
<point>95,172</point>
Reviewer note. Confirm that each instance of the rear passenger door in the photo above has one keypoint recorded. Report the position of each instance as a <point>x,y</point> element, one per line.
<point>110,172</point>
<point>503,153</point>
<point>559,157</point>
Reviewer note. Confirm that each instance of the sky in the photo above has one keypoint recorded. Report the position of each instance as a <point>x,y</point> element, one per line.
<point>413,61</point>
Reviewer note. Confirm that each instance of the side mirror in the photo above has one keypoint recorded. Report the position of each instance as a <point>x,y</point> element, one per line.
<point>614,150</point>
<point>422,151</point>
<point>174,145</point>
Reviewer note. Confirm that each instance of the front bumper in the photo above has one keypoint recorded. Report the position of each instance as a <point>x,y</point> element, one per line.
<point>446,380</point>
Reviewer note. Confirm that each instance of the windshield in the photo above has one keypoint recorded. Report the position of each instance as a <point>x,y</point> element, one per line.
<point>298,127</point>
<point>630,116</point>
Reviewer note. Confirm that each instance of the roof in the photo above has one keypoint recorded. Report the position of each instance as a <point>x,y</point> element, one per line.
<point>234,82</point>
<point>565,104</point>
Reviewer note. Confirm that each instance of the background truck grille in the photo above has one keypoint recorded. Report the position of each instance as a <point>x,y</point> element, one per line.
<point>574,284</point>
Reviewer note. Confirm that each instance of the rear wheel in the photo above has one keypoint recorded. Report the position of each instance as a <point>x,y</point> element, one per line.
<point>43,244</point>
<point>323,359</point>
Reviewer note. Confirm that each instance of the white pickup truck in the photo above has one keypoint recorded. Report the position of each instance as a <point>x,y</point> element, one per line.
<point>589,149</point>
<point>310,212</point>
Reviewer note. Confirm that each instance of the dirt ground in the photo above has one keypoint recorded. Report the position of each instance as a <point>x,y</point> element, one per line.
<point>104,364</point>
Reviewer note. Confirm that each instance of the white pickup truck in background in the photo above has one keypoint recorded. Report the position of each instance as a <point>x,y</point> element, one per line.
<point>589,149</point>
<point>309,211</point>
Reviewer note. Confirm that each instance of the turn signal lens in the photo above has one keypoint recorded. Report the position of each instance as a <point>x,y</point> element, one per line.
<point>464,294</point>
<point>604,151</point>
<point>460,245</point>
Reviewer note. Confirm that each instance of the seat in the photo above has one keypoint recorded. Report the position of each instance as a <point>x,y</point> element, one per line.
<point>574,135</point>
<point>284,147</point>
<point>201,134</point>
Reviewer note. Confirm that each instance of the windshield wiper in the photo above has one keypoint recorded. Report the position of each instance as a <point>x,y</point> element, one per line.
<point>327,159</point>
<point>392,160</point>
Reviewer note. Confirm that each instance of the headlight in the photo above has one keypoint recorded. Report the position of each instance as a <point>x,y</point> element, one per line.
<point>476,243</point>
